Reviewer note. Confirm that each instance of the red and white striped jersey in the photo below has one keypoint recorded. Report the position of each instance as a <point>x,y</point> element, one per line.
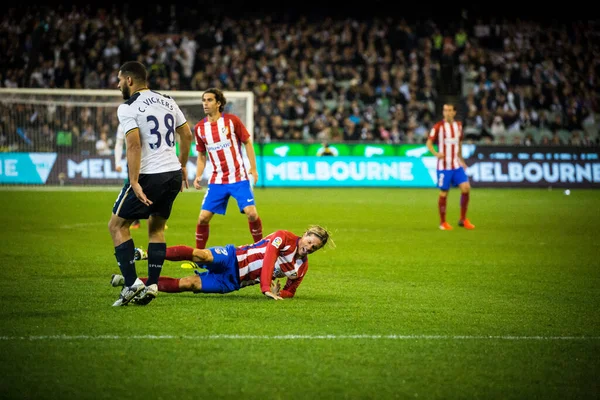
<point>447,136</point>
<point>270,258</point>
<point>222,140</point>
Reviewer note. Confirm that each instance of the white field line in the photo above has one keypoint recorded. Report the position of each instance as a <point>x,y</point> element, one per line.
<point>301,337</point>
<point>83,225</point>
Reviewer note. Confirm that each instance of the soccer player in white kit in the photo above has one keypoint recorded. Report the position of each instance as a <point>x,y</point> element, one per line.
<point>151,122</point>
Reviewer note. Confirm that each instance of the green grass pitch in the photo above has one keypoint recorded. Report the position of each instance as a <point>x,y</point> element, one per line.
<point>399,310</point>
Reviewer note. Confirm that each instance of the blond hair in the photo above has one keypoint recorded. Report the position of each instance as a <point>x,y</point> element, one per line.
<point>321,233</point>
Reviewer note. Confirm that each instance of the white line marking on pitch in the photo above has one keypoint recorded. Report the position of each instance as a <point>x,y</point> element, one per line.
<point>82,225</point>
<point>306,337</point>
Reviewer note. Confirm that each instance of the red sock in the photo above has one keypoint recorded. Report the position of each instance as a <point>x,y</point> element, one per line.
<point>180,253</point>
<point>464,204</point>
<point>166,284</point>
<point>442,208</point>
<point>201,236</point>
<point>256,229</point>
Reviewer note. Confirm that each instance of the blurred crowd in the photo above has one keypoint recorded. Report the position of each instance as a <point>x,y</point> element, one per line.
<point>380,79</point>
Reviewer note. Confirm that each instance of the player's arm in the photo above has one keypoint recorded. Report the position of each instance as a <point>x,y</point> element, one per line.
<point>252,158</point>
<point>119,153</point>
<point>268,265</point>
<point>185,143</point>
<point>200,166</point>
<point>201,160</point>
<point>242,133</point>
<point>134,157</point>
<point>289,290</point>
<point>430,138</point>
<point>461,160</point>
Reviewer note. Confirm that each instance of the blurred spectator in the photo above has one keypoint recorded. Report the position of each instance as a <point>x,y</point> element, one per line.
<point>498,129</point>
<point>66,139</point>
<point>326,150</point>
<point>390,73</point>
<point>104,145</point>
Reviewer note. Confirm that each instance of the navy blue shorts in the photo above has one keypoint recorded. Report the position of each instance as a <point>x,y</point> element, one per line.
<point>222,275</point>
<point>161,188</point>
<point>447,177</point>
<point>217,196</point>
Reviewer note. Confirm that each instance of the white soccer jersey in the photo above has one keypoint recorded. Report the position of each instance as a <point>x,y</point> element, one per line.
<point>157,116</point>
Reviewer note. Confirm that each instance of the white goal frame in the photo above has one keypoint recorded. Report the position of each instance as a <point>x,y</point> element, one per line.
<point>179,95</point>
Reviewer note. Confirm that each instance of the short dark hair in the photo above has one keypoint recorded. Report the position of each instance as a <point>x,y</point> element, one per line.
<point>135,70</point>
<point>219,96</point>
<point>450,105</point>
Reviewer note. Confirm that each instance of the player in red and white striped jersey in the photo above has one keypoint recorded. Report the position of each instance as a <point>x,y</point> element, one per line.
<point>222,135</point>
<point>281,254</point>
<point>447,136</point>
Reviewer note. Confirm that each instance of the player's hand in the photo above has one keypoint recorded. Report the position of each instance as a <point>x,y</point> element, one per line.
<point>254,174</point>
<point>271,295</point>
<point>139,193</point>
<point>275,287</point>
<point>184,184</point>
<point>440,155</point>
<point>197,183</point>
<point>118,168</point>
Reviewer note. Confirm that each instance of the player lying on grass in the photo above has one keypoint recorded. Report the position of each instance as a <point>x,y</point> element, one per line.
<point>281,254</point>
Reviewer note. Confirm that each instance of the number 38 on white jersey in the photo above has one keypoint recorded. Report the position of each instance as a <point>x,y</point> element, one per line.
<point>157,116</point>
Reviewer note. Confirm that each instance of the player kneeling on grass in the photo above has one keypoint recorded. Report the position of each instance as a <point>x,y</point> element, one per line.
<point>230,268</point>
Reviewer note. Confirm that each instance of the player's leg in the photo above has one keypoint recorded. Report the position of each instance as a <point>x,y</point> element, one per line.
<point>222,275</point>
<point>163,188</point>
<point>190,284</point>
<point>202,256</point>
<point>243,194</point>
<point>214,202</point>
<point>173,253</point>
<point>443,183</point>
<point>124,247</point>
<point>462,181</point>
<point>203,228</point>
<point>136,224</point>
<point>165,283</point>
<point>126,209</point>
<point>254,223</point>
<point>215,259</point>
<point>157,247</point>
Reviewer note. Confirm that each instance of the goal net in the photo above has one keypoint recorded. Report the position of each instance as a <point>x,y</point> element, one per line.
<point>31,118</point>
<point>69,122</point>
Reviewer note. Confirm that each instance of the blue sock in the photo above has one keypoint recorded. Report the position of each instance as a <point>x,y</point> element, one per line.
<point>124,254</point>
<point>156,259</point>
